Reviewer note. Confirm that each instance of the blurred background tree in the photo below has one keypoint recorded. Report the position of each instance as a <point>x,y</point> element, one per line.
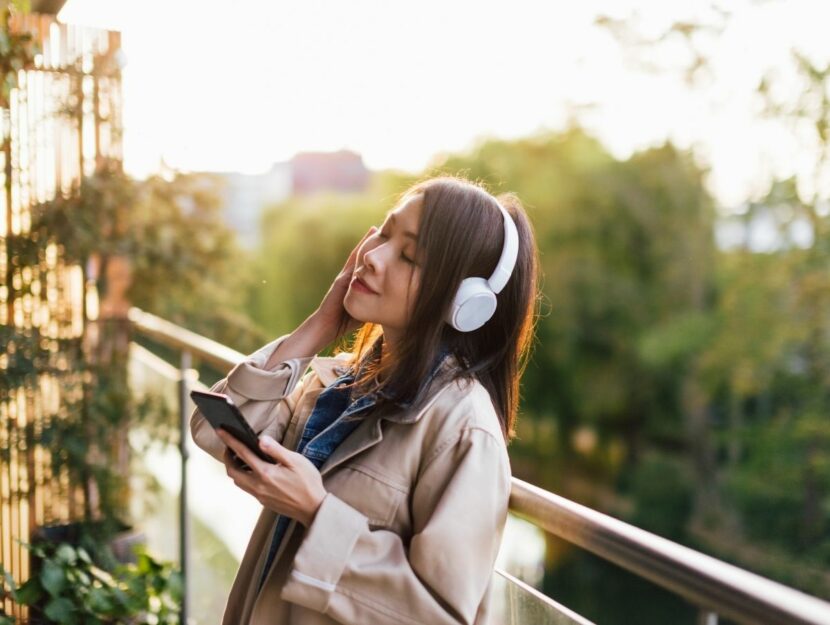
<point>186,263</point>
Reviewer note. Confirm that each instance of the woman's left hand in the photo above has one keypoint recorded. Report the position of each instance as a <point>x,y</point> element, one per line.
<point>292,487</point>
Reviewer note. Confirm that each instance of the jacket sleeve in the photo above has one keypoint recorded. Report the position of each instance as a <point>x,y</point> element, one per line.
<point>370,576</point>
<point>259,394</point>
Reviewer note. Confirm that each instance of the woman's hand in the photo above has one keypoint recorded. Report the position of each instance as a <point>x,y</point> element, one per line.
<point>331,310</point>
<point>322,327</point>
<point>292,487</point>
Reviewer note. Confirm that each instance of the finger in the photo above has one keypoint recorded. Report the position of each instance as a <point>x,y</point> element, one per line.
<point>353,256</point>
<point>243,479</point>
<point>232,461</point>
<point>276,451</point>
<point>245,454</point>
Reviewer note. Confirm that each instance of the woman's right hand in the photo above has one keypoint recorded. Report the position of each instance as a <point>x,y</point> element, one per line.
<point>321,327</point>
<point>331,312</point>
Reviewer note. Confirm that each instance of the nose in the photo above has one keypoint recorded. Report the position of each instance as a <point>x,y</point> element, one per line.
<point>373,259</point>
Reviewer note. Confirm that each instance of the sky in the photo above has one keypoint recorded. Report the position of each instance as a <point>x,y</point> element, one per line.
<point>221,86</point>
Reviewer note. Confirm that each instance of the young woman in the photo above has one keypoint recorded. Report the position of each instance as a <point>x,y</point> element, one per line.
<point>390,490</point>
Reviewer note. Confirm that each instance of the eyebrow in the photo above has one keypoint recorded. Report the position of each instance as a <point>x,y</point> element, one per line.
<point>411,235</point>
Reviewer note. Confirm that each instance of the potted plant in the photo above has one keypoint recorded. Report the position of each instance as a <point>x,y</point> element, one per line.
<point>70,588</point>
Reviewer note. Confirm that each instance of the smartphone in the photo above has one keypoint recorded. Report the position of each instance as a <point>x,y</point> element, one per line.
<point>221,412</point>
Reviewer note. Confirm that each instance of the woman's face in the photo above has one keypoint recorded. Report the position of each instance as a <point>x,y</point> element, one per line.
<point>386,262</point>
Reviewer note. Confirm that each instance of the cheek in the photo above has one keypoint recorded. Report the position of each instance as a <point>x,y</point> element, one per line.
<point>410,291</point>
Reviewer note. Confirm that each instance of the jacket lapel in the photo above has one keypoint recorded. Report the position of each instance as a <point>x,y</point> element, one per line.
<point>329,368</point>
<point>368,434</point>
<point>370,431</point>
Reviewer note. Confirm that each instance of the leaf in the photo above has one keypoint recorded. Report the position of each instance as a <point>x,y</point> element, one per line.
<point>78,577</point>
<point>53,578</point>
<point>100,601</point>
<point>29,593</point>
<point>9,581</point>
<point>84,556</point>
<point>66,553</point>
<point>61,610</point>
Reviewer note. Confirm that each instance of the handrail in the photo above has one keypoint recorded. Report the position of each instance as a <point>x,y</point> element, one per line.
<point>705,581</point>
<point>177,337</point>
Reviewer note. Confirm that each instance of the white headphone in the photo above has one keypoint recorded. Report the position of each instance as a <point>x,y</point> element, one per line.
<point>475,299</point>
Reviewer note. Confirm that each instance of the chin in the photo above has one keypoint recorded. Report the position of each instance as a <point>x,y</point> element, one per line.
<point>354,311</point>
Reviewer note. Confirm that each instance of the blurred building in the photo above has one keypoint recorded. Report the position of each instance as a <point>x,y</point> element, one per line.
<point>335,171</point>
<point>246,195</point>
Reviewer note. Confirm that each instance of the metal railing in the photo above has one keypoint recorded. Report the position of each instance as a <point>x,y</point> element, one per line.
<point>716,587</point>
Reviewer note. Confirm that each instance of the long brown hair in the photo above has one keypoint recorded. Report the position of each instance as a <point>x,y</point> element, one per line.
<point>497,353</point>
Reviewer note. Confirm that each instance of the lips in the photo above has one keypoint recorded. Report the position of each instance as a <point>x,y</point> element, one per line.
<point>364,285</point>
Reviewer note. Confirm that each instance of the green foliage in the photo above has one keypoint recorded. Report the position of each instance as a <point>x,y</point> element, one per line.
<point>186,265</point>
<point>662,488</point>
<point>70,588</point>
<point>93,218</point>
<point>97,408</point>
<point>183,259</point>
<point>626,247</point>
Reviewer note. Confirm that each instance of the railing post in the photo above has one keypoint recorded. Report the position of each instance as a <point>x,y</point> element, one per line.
<point>184,530</point>
<point>707,617</point>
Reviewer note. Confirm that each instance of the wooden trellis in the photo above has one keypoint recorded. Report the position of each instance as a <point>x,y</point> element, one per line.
<point>59,124</point>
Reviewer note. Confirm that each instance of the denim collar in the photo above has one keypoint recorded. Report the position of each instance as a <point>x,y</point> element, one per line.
<point>443,359</point>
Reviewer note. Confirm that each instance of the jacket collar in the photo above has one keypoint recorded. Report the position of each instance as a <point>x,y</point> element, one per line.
<point>370,431</point>
<point>330,368</point>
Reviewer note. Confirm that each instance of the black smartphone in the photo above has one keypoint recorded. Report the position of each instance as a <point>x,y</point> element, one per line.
<point>221,412</point>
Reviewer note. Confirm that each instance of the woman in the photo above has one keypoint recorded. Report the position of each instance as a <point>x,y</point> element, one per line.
<point>390,490</point>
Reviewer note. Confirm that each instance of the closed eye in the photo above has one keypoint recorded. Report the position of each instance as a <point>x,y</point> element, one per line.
<point>403,256</point>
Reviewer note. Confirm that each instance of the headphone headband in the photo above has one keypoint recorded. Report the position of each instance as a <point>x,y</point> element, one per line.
<point>509,252</point>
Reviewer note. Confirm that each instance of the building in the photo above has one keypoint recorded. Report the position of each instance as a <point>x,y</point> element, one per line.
<point>246,195</point>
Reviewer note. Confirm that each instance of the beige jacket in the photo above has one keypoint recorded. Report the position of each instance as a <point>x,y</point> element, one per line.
<point>413,519</point>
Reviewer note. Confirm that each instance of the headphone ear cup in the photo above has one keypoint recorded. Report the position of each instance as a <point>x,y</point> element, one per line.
<point>473,305</point>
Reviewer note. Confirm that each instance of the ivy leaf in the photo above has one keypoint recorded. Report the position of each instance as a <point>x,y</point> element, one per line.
<point>84,556</point>
<point>65,553</point>
<point>78,577</point>
<point>29,593</point>
<point>100,601</point>
<point>61,611</point>
<point>52,578</point>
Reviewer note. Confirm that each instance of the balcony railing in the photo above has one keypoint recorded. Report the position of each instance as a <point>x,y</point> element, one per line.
<point>718,589</point>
